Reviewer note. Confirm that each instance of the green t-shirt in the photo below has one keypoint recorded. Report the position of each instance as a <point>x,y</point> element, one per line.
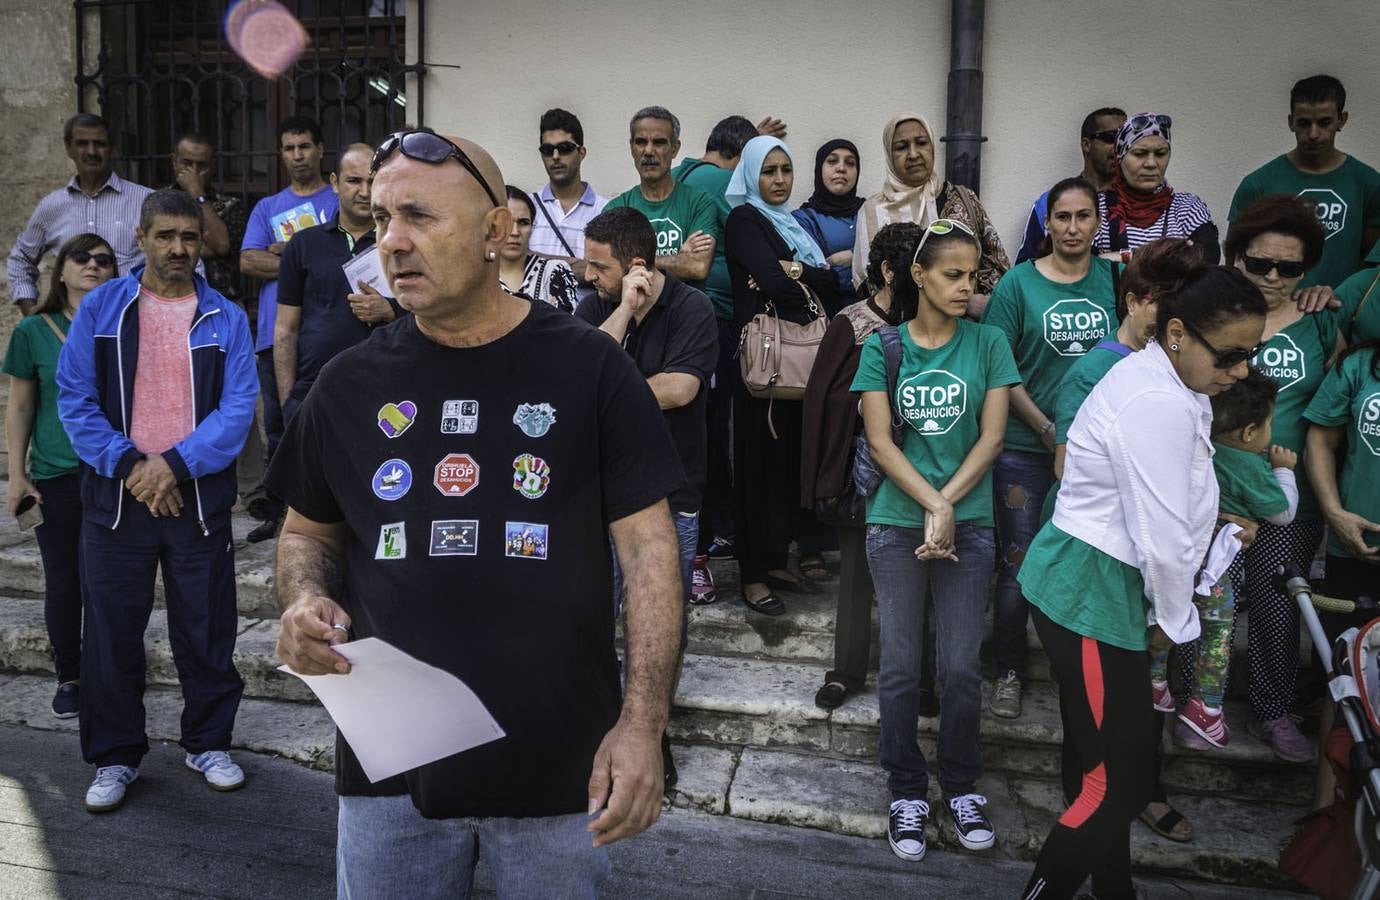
<point>1294,358</point>
<point>1085,590</point>
<point>713,181</point>
<point>1079,381</point>
<point>1350,397</point>
<point>1347,200</point>
<point>939,393</point>
<point>1247,483</point>
<point>1049,326</point>
<point>1360,323</point>
<point>686,211</point>
<point>33,354</point>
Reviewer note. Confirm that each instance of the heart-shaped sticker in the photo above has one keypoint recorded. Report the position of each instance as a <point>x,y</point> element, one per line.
<point>395,418</point>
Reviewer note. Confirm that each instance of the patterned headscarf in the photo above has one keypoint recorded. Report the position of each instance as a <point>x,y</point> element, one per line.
<point>1141,125</point>
<point>1126,205</point>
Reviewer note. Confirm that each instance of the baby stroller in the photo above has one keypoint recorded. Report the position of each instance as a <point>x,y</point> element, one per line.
<point>1353,677</point>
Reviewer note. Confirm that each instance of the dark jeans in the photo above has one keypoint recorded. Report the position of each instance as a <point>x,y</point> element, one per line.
<point>1019,484</point>
<point>273,408</point>
<point>959,592</point>
<point>1104,701</point>
<point>199,584</point>
<point>716,511</point>
<point>59,543</point>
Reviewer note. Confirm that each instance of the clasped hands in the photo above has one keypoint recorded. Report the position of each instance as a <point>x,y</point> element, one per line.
<point>153,484</point>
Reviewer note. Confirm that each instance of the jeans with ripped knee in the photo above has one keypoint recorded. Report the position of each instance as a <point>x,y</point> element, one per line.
<point>1020,481</point>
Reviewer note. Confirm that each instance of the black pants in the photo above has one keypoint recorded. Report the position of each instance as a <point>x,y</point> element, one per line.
<point>1104,700</point>
<point>716,512</point>
<point>853,621</point>
<point>59,543</point>
<point>273,407</point>
<point>766,483</point>
<point>199,583</point>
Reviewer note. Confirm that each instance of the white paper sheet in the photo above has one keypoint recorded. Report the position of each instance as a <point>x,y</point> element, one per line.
<point>398,712</point>
<point>367,267</point>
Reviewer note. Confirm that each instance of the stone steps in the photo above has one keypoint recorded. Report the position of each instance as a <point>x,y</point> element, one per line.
<point>1237,841</point>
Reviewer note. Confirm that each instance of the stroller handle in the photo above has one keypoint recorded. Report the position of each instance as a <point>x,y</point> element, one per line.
<point>1289,580</point>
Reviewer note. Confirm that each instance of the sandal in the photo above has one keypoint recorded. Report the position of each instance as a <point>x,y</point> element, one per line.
<point>775,582</point>
<point>770,605</point>
<point>1166,824</point>
<point>812,568</point>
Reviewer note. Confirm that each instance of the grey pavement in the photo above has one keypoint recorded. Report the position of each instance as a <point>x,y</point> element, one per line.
<point>276,838</point>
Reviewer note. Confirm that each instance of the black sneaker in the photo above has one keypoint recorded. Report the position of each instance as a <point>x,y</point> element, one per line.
<point>906,829</point>
<point>668,762</point>
<point>266,530</point>
<point>721,549</point>
<point>65,700</point>
<point>971,824</point>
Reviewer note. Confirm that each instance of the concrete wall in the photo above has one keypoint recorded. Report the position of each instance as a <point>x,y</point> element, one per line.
<point>833,68</point>
<point>37,93</point>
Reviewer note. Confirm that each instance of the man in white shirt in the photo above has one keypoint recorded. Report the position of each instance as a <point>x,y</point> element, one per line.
<point>566,204</point>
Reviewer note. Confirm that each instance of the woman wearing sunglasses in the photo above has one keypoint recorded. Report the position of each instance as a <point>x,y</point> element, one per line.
<point>1138,498</point>
<point>1273,242</point>
<point>31,422</point>
<point>1141,206</point>
<point>929,524</point>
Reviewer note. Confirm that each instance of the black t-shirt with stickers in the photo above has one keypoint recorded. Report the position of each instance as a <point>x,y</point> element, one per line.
<point>477,485</point>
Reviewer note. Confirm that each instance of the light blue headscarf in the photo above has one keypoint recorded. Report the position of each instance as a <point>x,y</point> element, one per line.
<point>742,188</point>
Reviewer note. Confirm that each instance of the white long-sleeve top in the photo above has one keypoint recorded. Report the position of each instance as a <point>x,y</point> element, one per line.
<point>1139,485</point>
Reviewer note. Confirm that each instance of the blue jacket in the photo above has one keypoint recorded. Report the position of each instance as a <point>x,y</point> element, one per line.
<point>95,378</point>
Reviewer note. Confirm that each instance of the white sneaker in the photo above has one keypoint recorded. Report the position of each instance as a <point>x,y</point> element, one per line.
<point>221,772</point>
<point>107,792</point>
<point>906,828</point>
<point>971,824</point>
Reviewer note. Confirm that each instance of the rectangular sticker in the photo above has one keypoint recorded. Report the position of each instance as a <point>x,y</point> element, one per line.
<point>527,540</point>
<point>392,541</point>
<point>455,537</point>
<point>460,417</point>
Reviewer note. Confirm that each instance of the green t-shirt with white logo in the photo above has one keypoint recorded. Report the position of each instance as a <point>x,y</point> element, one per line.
<point>1294,357</point>
<point>686,211</point>
<point>1347,200</point>
<point>1350,397</point>
<point>1246,483</point>
<point>1360,321</point>
<point>939,394</point>
<point>1049,325</point>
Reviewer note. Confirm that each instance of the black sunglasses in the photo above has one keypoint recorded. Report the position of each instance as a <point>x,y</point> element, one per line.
<point>1106,137</point>
<point>564,148</point>
<point>1260,265</point>
<point>82,257</point>
<point>1223,359</point>
<point>426,147</point>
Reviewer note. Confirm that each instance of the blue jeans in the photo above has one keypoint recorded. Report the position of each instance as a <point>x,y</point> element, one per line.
<point>1019,484</point>
<point>688,536</point>
<point>385,848</point>
<point>959,590</point>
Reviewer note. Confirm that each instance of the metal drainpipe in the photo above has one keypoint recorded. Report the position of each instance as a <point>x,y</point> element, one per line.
<point>963,140</point>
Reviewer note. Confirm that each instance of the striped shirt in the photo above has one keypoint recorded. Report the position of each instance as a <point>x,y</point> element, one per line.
<point>546,240</point>
<point>1185,215</point>
<point>67,212</point>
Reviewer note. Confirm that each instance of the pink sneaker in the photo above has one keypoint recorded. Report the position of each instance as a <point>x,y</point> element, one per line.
<point>1198,729</point>
<point>1160,696</point>
<point>702,590</point>
<point>1285,739</point>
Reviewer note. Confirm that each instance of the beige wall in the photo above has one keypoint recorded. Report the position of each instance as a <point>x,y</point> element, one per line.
<point>843,67</point>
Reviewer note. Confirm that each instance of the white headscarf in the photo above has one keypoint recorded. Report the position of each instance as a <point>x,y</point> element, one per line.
<point>896,201</point>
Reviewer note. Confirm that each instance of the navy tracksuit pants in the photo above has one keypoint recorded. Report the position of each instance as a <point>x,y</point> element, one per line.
<point>117,593</point>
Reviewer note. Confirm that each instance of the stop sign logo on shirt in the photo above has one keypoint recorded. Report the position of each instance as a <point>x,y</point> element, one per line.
<point>1073,327</point>
<point>456,475</point>
<point>1283,360</point>
<point>1330,207</point>
<point>932,401</point>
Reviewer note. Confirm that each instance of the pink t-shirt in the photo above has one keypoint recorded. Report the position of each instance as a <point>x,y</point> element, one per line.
<point>163,412</point>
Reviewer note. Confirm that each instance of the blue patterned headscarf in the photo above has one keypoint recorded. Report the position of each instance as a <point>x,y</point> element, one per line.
<point>743,188</point>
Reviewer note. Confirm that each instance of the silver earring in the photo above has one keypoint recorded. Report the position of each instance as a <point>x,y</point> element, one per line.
<point>489,255</point>
<point>1174,347</point>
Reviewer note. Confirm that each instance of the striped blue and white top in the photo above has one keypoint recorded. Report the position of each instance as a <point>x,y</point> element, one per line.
<point>67,212</point>
<point>1186,214</point>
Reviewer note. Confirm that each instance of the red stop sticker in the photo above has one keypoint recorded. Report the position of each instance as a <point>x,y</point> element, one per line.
<point>456,475</point>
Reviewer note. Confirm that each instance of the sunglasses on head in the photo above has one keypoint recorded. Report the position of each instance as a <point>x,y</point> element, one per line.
<point>1261,265</point>
<point>82,257</point>
<point>426,147</point>
<point>1144,121</point>
<point>564,148</point>
<point>1222,359</point>
<point>940,227</point>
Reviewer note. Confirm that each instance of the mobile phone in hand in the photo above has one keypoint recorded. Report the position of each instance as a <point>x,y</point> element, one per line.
<point>29,513</point>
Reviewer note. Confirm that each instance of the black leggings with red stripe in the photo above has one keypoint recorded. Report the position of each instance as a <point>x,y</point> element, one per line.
<point>1104,699</point>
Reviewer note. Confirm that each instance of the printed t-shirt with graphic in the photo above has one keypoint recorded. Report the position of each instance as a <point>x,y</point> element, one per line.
<point>277,218</point>
<point>939,395</point>
<point>711,179</point>
<point>1361,314</point>
<point>476,486</point>
<point>163,414</point>
<point>1350,398</point>
<point>686,211</point>
<point>1247,483</point>
<point>1294,358</point>
<point>1347,201</point>
<point>33,355</point>
<point>1049,325</point>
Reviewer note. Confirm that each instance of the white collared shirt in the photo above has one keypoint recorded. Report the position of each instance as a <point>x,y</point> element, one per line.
<point>1139,484</point>
<point>572,224</point>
